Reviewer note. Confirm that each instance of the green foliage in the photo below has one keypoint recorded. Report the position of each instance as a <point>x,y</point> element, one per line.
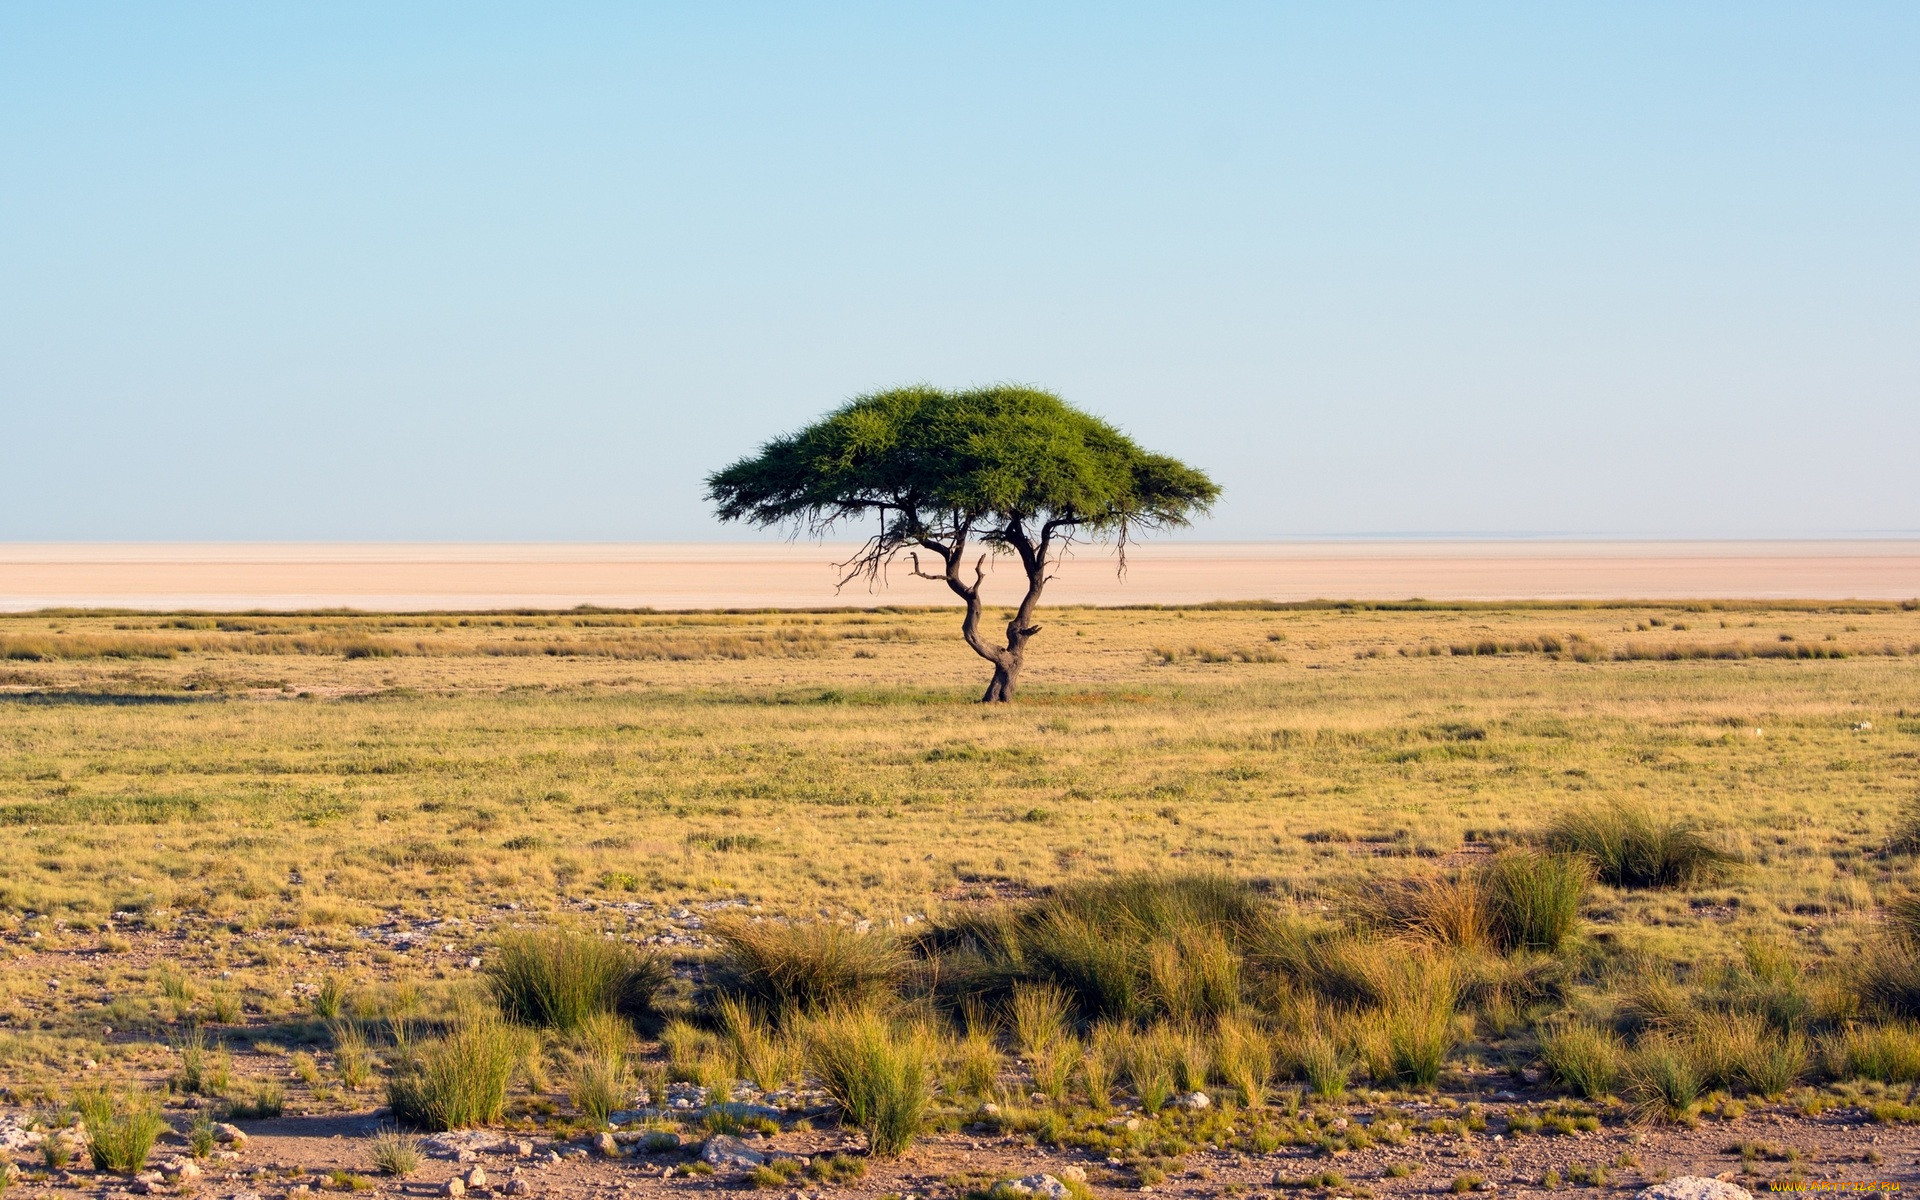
<point>875,1073</point>
<point>1664,1077</point>
<point>1631,847</point>
<point>976,1066</point>
<point>121,1128</point>
<point>782,969</point>
<point>917,454</point>
<point>394,1152</point>
<point>1889,977</point>
<point>352,1058</point>
<point>1408,1037</point>
<point>760,1053</point>
<point>1128,949</point>
<point>1887,1053</point>
<point>331,999</point>
<point>842,1169</point>
<point>263,1103</point>
<point>1323,1064</point>
<point>558,979</point>
<point>1535,898</point>
<point>459,1080</point>
<point>201,1137</point>
<point>1584,1057</point>
<point>1243,1059</point>
<point>601,1078</point>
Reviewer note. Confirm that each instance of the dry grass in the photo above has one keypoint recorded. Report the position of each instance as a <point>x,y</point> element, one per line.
<point>269,792</point>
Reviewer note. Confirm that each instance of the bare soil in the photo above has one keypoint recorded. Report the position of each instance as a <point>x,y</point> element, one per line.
<point>387,577</point>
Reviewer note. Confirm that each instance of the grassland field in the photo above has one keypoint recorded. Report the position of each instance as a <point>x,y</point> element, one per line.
<point>316,772</point>
<point>270,802</point>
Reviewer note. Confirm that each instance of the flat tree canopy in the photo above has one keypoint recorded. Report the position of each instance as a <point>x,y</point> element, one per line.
<point>1010,469</point>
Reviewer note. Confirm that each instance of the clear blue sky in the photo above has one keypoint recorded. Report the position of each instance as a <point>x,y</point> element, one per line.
<point>464,271</point>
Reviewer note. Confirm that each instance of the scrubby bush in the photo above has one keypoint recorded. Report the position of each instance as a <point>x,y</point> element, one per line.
<point>875,1072</point>
<point>783,970</point>
<point>601,1078</point>
<point>1663,1077</point>
<point>393,1152</point>
<point>1889,1053</point>
<point>1631,847</point>
<point>1534,899</point>
<point>1128,949</point>
<point>121,1128</point>
<point>1889,977</point>
<point>557,979</point>
<point>1584,1057</point>
<point>459,1080</point>
<point>760,1052</point>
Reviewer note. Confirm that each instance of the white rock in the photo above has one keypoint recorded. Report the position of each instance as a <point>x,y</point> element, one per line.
<point>1694,1187</point>
<point>453,1187</point>
<point>1041,1187</point>
<point>232,1135</point>
<point>180,1170</point>
<point>724,1151</point>
<point>13,1138</point>
<point>461,1141</point>
<point>1195,1100</point>
<point>477,1177</point>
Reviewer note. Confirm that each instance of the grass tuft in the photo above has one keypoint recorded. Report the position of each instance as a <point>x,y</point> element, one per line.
<point>1631,847</point>
<point>601,1079</point>
<point>1584,1057</point>
<point>460,1080</point>
<point>783,970</point>
<point>558,979</point>
<point>1534,899</point>
<point>121,1128</point>
<point>393,1152</point>
<point>876,1074</point>
<point>1664,1078</point>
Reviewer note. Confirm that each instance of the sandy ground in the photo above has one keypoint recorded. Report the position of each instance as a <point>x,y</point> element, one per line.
<point>403,577</point>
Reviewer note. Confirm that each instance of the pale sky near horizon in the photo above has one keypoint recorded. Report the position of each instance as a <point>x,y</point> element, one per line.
<point>365,271</point>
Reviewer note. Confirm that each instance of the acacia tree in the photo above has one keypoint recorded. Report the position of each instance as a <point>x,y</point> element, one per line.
<point>1000,470</point>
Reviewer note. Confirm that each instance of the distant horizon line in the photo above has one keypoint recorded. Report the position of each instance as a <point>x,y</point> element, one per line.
<point>1277,540</point>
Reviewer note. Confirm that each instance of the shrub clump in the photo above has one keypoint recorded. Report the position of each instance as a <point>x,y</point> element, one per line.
<point>876,1074</point>
<point>120,1129</point>
<point>460,1080</point>
<point>1631,847</point>
<point>393,1152</point>
<point>1584,1057</point>
<point>558,979</point>
<point>783,970</point>
<point>1535,898</point>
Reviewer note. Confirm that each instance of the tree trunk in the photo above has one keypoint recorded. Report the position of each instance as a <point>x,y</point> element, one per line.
<point>1007,660</point>
<point>1006,677</point>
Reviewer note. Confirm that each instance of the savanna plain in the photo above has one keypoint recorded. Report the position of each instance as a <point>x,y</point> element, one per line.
<point>1240,900</point>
